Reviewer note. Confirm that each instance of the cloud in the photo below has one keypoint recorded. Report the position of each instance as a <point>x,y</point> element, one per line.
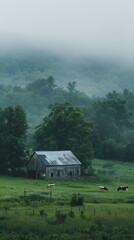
<point>97,27</point>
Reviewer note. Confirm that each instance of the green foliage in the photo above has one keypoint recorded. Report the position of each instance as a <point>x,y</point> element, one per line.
<point>13,139</point>
<point>112,117</point>
<point>60,217</point>
<point>35,97</point>
<point>42,86</point>
<point>71,86</point>
<point>29,82</point>
<point>15,136</point>
<point>71,214</point>
<point>20,69</point>
<point>82,215</point>
<point>43,213</point>
<point>65,128</point>
<point>76,200</point>
<point>110,149</point>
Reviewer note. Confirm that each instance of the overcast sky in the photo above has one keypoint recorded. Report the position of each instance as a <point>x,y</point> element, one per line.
<point>98,27</point>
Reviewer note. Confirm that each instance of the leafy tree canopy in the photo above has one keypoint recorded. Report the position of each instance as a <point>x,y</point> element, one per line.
<point>71,86</point>
<point>65,129</point>
<point>13,138</point>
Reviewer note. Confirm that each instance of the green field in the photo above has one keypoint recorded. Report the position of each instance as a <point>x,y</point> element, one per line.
<point>103,215</point>
<point>119,171</point>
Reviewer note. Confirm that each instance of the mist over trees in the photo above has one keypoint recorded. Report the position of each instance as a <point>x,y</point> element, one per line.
<point>93,76</point>
<point>113,118</point>
<point>104,129</point>
<point>100,127</point>
<point>35,102</point>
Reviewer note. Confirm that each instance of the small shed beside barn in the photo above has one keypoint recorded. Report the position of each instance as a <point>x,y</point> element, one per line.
<point>54,164</point>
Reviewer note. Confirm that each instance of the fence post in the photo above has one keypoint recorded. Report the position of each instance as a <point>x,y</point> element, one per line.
<point>101,211</point>
<point>83,211</point>
<point>50,195</point>
<point>94,211</point>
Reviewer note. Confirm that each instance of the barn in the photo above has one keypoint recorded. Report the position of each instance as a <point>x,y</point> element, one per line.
<point>54,165</point>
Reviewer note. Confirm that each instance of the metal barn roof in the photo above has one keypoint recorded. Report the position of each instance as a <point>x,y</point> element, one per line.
<point>57,158</point>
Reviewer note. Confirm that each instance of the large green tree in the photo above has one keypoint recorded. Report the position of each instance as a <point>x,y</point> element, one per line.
<point>3,162</point>
<point>15,137</point>
<point>65,129</point>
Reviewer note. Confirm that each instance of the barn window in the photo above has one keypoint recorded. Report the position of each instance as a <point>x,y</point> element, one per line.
<point>52,174</point>
<point>70,173</point>
<point>58,173</point>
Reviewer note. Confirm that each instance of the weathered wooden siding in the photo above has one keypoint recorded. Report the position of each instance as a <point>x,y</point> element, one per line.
<point>35,167</point>
<point>36,164</point>
<point>63,172</point>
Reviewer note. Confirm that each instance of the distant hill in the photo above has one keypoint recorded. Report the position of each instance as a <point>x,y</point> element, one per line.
<point>94,77</point>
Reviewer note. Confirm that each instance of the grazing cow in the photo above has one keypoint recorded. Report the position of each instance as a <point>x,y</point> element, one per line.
<point>51,185</point>
<point>124,188</point>
<point>103,188</point>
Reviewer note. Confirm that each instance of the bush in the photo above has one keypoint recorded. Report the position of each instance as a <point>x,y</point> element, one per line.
<point>60,217</point>
<point>43,213</point>
<point>77,200</point>
<point>71,214</point>
<point>82,215</point>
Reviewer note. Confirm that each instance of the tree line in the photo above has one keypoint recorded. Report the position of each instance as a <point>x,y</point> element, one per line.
<point>94,76</point>
<point>113,128</point>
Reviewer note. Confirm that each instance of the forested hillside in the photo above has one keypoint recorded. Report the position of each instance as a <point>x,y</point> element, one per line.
<point>94,77</point>
<point>37,96</point>
<point>112,116</point>
<point>26,81</point>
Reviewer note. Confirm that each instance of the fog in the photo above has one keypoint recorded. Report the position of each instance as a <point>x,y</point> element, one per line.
<point>100,28</point>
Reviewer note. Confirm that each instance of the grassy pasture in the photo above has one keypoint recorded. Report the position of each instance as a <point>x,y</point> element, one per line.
<point>11,188</point>
<point>119,171</point>
<point>104,215</point>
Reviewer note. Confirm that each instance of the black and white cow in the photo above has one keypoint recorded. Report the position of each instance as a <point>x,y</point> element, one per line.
<point>124,188</point>
<point>103,188</point>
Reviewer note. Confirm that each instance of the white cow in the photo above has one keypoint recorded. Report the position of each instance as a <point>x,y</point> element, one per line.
<point>51,185</point>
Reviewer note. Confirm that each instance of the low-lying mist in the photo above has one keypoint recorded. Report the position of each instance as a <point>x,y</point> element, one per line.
<point>93,75</point>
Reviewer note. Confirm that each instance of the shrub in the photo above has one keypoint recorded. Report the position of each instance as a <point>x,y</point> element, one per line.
<point>71,214</point>
<point>60,217</point>
<point>77,200</point>
<point>43,213</point>
<point>82,215</point>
